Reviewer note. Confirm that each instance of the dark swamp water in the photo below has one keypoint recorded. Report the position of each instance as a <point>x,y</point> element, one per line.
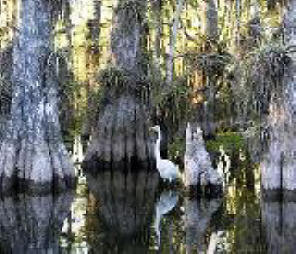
<point>214,56</point>
<point>134,213</point>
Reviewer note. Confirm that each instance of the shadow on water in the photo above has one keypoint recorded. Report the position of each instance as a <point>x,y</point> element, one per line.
<point>33,224</point>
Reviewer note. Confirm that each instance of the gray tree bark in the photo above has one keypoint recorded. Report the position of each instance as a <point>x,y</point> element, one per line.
<point>156,10</point>
<point>127,28</point>
<point>278,168</point>
<point>210,18</point>
<point>33,155</point>
<point>210,32</point>
<point>120,139</point>
<point>198,166</point>
<point>173,38</point>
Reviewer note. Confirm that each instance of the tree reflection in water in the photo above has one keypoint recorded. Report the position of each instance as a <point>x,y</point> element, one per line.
<point>279,224</point>
<point>122,211</point>
<point>32,224</point>
<point>198,214</point>
<point>124,215</point>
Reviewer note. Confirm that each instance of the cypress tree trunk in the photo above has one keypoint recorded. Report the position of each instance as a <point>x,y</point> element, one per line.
<point>33,155</point>
<point>210,19</point>
<point>173,39</point>
<point>279,163</point>
<point>289,127</point>
<point>278,167</point>
<point>210,31</point>
<point>156,12</point>
<point>198,169</point>
<point>126,34</point>
<point>120,139</point>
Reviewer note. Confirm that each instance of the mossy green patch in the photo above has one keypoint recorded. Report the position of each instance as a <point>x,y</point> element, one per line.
<point>114,81</point>
<point>177,149</point>
<point>230,141</point>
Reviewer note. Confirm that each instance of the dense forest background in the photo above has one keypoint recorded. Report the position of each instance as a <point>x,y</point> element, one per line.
<point>87,78</point>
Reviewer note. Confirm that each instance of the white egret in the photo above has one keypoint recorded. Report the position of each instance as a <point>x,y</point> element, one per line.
<point>167,169</point>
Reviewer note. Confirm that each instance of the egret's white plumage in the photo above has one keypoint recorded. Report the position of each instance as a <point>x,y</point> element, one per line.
<point>167,169</point>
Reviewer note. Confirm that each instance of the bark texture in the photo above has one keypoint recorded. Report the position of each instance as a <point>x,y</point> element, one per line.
<point>156,7</point>
<point>210,32</point>
<point>125,210</point>
<point>173,39</point>
<point>32,155</point>
<point>32,224</point>
<point>210,18</point>
<point>198,166</point>
<point>279,164</point>
<point>127,31</point>
<point>121,138</point>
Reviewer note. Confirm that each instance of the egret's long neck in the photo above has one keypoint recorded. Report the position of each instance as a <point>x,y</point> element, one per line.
<point>157,149</point>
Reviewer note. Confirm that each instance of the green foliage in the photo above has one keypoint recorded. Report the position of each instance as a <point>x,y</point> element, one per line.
<point>172,101</point>
<point>269,59</point>
<point>256,77</point>
<point>114,82</point>
<point>178,89</point>
<point>69,88</point>
<point>177,149</point>
<point>210,63</point>
<point>230,141</point>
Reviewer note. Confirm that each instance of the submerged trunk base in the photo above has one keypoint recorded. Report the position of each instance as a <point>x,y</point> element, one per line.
<point>279,194</point>
<point>40,168</point>
<point>200,176</point>
<point>32,154</point>
<point>208,191</point>
<point>121,139</point>
<point>15,185</point>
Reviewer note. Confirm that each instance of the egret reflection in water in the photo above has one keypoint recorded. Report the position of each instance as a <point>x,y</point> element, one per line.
<point>222,63</point>
<point>166,203</point>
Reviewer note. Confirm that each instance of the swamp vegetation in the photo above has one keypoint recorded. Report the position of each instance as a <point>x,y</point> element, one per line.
<point>83,81</point>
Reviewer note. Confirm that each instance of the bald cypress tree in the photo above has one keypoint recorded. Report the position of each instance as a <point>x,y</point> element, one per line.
<point>32,155</point>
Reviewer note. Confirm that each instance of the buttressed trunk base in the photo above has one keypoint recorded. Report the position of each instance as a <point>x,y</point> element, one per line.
<point>32,155</point>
